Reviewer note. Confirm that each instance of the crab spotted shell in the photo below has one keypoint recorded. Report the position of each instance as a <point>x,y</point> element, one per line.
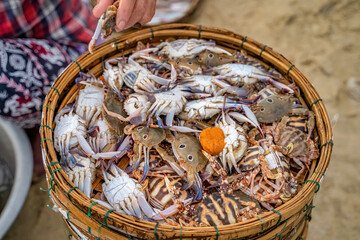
<point>212,140</point>
<point>188,150</point>
<point>148,137</point>
<point>251,159</point>
<point>160,197</point>
<point>191,65</point>
<point>273,108</point>
<point>212,59</point>
<point>221,209</point>
<point>293,132</point>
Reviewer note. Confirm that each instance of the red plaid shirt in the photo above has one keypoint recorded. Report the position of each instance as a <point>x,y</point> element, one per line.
<point>61,20</point>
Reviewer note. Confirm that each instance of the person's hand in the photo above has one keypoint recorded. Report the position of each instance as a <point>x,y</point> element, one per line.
<point>129,12</point>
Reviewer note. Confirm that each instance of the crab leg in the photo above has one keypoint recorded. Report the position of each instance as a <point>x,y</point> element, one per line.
<point>280,85</point>
<point>198,187</point>
<point>240,92</point>
<point>142,54</point>
<point>85,145</point>
<point>161,81</point>
<point>87,185</point>
<point>96,35</point>
<point>105,204</point>
<point>173,209</point>
<point>277,84</point>
<point>145,207</point>
<point>170,117</point>
<point>129,118</point>
<point>232,158</point>
<point>146,166</point>
<point>138,161</point>
<point>171,161</point>
<point>173,74</point>
<point>241,118</point>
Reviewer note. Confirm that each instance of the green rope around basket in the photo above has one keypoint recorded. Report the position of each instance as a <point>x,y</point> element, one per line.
<point>105,219</point>
<point>217,232</point>
<point>89,211</point>
<point>152,32</point>
<point>242,43</point>
<point>263,48</point>
<point>78,64</point>
<point>280,216</point>
<point>317,183</point>
<point>323,173</point>
<point>316,101</point>
<point>53,163</point>
<point>262,223</point>
<point>155,229</point>
<point>280,235</point>
<point>329,142</point>
<point>288,71</point>
<point>46,106</point>
<point>116,44</point>
<point>52,87</point>
<point>46,139</point>
<point>68,195</point>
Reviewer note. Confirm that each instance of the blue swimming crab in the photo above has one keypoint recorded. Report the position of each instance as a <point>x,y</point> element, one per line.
<point>186,149</point>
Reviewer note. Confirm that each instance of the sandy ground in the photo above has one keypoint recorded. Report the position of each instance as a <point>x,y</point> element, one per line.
<point>322,39</point>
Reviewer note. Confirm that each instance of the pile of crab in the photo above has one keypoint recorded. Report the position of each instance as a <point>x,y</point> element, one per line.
<point>186,133</point>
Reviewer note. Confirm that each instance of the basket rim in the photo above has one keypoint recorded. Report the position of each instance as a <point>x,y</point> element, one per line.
<point>268,219</point>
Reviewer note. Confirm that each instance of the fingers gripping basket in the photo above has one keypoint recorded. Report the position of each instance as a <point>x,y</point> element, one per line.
<point>87,218</point>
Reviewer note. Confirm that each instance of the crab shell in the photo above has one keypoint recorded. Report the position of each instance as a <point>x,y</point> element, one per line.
<point>203,83</point>
<point>108,21</point>
<point>113,104</point>
<point>83,176</point>
<point>112,73</point>
<point>187,65</point>
<point>103,139</point>
<point>160,196</point>
<point>124,194</point>
<point>213,59</point>
<point>183,48</point>
<point>251,159</point>
<point>89,103</point>
<point>169,101</point>
<point>203,108</point>
<point>187,150</point>
<point>236,143</point>
<point>135,101</point>
<point>292,135</point>
<point>148,137</point>
<point>218,209</point>
<point>273,108</point>
<point>69,127</point>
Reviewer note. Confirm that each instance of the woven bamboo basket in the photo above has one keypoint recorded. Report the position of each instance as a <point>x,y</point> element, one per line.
<point>289,221</point>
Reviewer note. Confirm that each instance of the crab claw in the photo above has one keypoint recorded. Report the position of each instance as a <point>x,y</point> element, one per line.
<point>280,85</point>
<point>250,118</point>
<point>95,36</point>
<point>215,165</point>
<point>198,195</point>
<point>146,166</point>
<point>240,92</point>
